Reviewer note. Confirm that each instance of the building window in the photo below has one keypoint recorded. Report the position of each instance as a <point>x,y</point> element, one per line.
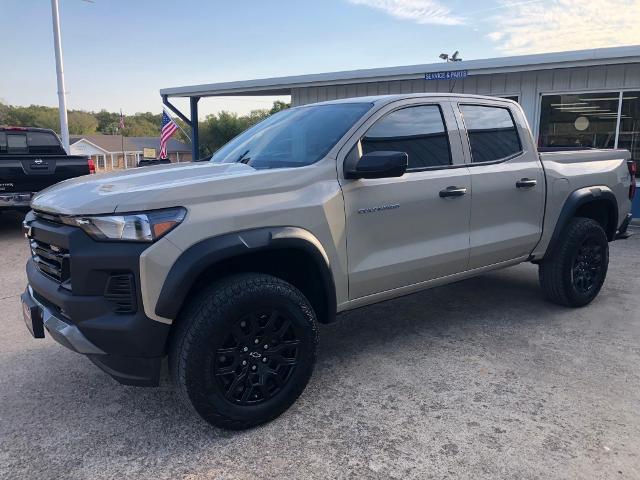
<point>629,135</point>
<point>417,131</point>
<point>515,98</point>
<point>492,133</point>
<point>579,120</point>
<point>590,120</point>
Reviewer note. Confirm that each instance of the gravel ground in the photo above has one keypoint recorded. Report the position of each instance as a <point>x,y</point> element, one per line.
<point>482,379</point>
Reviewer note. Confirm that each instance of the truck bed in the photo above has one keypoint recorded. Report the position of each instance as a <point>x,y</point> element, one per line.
<point>570,170</point>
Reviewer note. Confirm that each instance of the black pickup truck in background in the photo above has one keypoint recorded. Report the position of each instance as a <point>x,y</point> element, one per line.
<point>32,159</point>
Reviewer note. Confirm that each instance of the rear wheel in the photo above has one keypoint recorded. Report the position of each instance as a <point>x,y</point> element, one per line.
<point>244,350</point>
<point>575,272</point>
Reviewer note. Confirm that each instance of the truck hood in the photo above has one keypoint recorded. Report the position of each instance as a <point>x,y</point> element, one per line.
<point>137,188</point>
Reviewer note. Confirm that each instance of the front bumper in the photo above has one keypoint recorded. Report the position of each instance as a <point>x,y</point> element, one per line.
<point>62,332</point>
<point>80,315</point>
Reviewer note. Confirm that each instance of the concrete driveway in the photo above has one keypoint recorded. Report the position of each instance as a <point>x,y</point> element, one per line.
<point>483,379</point>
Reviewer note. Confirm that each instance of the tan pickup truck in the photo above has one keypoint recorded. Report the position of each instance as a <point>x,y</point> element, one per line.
<point>226,266</point>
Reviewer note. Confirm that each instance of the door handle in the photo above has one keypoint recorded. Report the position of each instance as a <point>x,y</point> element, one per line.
<point>526,183</point>
<point>453,192</point>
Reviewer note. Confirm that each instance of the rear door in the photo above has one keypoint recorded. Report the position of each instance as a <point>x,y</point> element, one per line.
<point>507,180</point>
<point>400,231</point>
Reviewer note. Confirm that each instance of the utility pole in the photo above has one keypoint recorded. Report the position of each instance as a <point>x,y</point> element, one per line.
<point>62,99</point>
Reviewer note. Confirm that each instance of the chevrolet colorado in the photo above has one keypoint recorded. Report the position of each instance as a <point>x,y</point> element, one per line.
<point>226,266</point>
<point>32,159</point>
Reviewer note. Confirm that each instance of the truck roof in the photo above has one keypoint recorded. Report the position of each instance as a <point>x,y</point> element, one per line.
<point>383,99</point>
<point>9,128</point>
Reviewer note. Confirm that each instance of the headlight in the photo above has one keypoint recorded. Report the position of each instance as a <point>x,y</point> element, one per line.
<point>132,227</point>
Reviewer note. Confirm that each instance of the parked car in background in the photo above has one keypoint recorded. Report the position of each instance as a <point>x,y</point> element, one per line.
<point>32,159</point>
<point>227,266</point>
<point>149,162</point>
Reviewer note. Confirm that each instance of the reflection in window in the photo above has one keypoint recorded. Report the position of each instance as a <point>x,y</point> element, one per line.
<point>16,143</point>
<point>292,138</point>
<point>629,136</point>
<point>492,133</point>
<point>417,131</point>
<point>579,120</point>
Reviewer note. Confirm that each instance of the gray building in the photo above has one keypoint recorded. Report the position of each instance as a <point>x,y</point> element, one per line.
<point>585,98</point>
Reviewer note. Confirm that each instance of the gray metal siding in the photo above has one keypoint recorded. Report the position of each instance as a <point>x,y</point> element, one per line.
<point>529,85</point>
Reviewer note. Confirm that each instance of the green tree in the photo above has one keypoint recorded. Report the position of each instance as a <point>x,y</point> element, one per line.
<point>107,122</point>
<point>82,123</point>
<point>218,129</point>
<point>278,106</point>
<point>215,130</point>
<point>139,125</point>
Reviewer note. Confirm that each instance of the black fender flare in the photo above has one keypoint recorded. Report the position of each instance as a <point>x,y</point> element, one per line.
<point>577,199</point>
<point>206,253</point>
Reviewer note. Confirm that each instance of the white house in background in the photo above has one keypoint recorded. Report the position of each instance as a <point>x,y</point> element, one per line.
<point>112,152</point>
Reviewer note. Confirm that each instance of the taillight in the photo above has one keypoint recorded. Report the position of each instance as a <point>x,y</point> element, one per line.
<point>633,171</point>
<point>92,166</point>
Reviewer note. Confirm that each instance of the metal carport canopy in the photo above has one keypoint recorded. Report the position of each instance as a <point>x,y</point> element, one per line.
<point>285,85</point>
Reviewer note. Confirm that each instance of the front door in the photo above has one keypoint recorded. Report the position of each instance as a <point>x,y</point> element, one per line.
<point>402,231</point>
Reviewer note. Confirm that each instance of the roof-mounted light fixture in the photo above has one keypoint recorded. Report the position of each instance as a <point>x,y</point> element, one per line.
<point>453,58</point>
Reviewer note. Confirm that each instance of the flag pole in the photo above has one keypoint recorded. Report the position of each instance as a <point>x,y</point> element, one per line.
<point>121,128</point>
<point>124,157</point>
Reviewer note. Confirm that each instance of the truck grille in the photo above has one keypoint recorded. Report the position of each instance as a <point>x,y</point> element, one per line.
<point>51,260</point>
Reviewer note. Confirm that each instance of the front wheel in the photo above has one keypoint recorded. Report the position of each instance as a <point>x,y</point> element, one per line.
<point>575,272</point>
<point>244,350</point>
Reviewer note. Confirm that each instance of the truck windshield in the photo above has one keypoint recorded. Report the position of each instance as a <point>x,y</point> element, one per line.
<point>292,138</point>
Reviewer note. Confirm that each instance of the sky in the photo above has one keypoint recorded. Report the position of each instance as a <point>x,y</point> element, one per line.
<point>118,54</point>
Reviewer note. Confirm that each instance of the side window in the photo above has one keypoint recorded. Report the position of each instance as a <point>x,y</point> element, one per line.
<point>418,131</point>
<point>43,142</point>
<point>3,142</point>
<point>492,133</point>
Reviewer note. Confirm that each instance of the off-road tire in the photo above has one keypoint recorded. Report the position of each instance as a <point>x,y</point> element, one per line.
<point>212,314</point>
<point>556,273</point>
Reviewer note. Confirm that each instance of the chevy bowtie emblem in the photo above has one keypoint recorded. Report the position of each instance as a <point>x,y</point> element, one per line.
<point>38,161</point>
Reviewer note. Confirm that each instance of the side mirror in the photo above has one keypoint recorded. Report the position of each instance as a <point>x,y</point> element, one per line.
<point>378,165</point>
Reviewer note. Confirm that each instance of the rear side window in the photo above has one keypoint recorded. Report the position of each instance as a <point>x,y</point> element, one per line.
<point>43,142</point>
<point>3,142</point>
<point>492,133</point>
<point>418,131</point>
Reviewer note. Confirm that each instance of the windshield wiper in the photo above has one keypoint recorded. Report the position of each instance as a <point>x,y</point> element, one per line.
<point>243,158</point>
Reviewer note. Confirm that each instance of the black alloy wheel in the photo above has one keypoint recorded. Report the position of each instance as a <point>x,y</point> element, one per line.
<point>257,358</point>
<point>244,349</point>
<point>588,266</point>
<point>573,272</point>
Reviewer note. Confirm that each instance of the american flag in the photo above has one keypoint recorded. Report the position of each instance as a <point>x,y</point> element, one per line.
<point>168,129</point>
<point>121,124</point>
